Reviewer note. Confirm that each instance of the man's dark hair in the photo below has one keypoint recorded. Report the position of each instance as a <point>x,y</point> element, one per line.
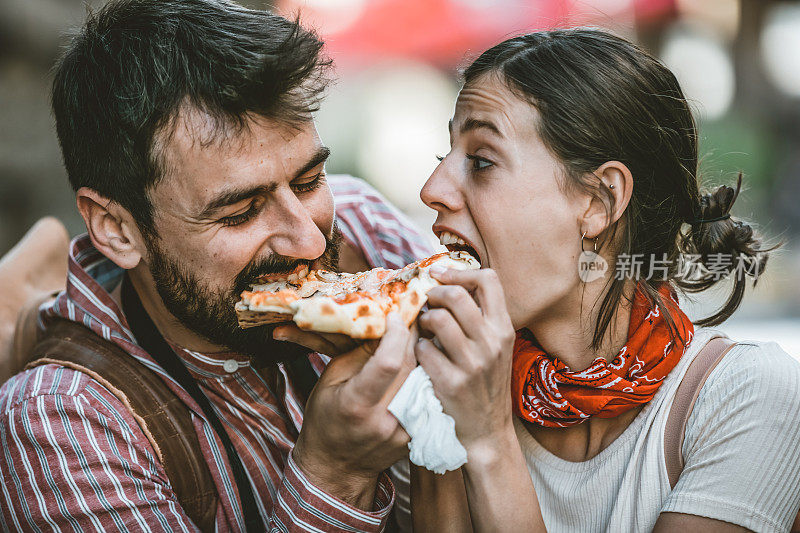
<point>135,63</point>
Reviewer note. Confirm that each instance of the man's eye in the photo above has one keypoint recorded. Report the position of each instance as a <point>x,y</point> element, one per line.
<point>309,186</point>
<point>241,218</point>
<point>479,163</point>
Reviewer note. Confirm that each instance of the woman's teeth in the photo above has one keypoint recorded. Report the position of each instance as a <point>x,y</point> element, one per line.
<point>454,243</point>
<point>446,238</point>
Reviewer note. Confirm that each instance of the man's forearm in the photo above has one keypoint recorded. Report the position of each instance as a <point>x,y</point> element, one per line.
<point>304,504</point>
<point>356,489</point>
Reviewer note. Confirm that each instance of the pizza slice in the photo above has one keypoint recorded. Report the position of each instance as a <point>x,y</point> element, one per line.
<point>351,304</point>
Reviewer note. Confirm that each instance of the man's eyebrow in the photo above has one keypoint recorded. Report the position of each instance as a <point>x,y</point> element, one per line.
<point>317,159</point>
<point>234,196</point>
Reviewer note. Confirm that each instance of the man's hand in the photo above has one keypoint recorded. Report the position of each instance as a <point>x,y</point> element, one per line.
<point>348,436</point>
<point>331,344</point>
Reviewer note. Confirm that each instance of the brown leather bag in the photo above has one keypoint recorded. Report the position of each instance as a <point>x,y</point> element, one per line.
<point>696,375</point>
<point>162,416</point>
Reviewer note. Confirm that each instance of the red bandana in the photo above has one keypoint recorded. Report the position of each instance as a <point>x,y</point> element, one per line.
<point>546,392</point>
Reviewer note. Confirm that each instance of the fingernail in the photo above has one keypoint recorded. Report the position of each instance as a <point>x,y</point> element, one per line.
<point>438,270</point>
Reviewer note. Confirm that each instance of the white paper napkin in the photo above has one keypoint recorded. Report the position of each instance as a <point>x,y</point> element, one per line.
<point>434,444</point>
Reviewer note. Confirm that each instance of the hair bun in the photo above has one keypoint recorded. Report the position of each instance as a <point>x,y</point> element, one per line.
<point>723,245</point>
<point>714,232</point>
<point>716,206</point>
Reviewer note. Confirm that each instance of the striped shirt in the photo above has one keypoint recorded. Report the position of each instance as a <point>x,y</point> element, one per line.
<point>73,457</point>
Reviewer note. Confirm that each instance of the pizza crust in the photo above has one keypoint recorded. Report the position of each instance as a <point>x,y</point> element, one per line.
<point>351,304</point>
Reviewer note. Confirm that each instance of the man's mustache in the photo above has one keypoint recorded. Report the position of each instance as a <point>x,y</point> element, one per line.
<point>274,264</point>
<point>281,264</point>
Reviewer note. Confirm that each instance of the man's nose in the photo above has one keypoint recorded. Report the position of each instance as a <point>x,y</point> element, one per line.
<point>294,232</point>
<point>441,191</point>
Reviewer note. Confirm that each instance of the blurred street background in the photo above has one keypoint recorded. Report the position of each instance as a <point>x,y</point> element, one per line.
<point>397,61</point>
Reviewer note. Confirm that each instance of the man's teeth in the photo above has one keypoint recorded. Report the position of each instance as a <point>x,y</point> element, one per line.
<point>446,238</point>
<point>301,272</point>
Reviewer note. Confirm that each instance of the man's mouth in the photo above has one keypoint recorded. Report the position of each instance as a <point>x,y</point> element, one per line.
<point>300,271</point>
<point>456,243</point>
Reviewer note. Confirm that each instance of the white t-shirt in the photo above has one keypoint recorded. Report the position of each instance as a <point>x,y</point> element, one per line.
<point>741,453</point>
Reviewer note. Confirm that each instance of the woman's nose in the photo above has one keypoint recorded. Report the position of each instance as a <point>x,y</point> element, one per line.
<point>441,191</point>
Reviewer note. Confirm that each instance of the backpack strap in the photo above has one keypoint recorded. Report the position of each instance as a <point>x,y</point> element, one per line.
<point>162,416</point>
<point>689,388</point>
<point>304,378</point>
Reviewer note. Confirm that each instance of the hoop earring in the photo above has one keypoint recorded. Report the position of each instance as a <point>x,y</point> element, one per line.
<point>595,243</point>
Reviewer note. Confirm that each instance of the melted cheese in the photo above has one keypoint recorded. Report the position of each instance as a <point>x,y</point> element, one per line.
<point>353,304</point>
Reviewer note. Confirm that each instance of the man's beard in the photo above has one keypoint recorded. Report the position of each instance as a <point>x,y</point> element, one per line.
<point>209,312</point>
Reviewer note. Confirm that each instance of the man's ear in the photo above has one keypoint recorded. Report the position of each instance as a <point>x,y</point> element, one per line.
<point>111,227</point>
<point>616,179</point>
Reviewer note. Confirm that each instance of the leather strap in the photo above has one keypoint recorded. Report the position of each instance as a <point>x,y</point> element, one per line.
<point>162,416</point>
<point>688,390</point>
<point>152,341</point>
<point>683,403</point>
<point>304,378</point>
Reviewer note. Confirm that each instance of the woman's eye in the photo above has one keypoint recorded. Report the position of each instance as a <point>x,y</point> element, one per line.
<point>309,186</point>
<point>479,163</point>
<point>241,218</point>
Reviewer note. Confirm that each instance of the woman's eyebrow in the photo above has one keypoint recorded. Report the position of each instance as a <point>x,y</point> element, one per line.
<point>471,124</point>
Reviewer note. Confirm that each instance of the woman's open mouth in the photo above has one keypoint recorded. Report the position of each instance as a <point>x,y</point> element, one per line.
<point>454,243</point>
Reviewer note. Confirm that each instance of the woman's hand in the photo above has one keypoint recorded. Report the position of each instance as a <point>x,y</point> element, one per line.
<point>471,367</point>
<point>471,373</point>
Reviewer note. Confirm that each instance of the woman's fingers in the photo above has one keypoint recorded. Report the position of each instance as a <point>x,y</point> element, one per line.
<point>483,284</point>
<point>461,305</point>
<point>438,367</point>
<point>440,323</point>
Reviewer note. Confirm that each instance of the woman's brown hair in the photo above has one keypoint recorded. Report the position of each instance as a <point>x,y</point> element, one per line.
<point>601,98</point>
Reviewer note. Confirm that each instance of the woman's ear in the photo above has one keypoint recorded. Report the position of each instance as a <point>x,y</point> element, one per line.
<point>111,227</point>
<point>616,180</point>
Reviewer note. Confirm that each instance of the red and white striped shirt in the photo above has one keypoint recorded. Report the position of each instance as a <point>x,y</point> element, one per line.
<point>74,458</point>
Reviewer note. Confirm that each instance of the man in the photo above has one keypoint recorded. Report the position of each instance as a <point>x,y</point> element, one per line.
<point>186,131</point>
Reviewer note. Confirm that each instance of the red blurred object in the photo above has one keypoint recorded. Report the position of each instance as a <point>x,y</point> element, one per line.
<point>651,11</point>
<point>444,32</point>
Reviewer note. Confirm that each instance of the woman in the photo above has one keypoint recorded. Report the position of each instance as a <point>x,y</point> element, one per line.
<point>571,141</point>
